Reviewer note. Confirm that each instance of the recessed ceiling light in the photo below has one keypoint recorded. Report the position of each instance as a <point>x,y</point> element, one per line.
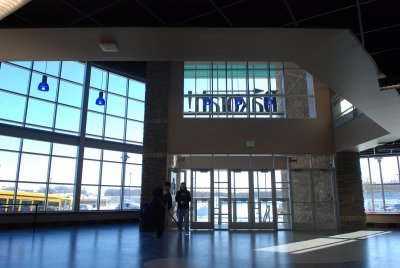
<point>109,47</point>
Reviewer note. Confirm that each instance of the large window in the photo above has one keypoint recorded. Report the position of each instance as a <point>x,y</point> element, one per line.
<point>36,172</point>
<point>121,119</point>
<point>381,184</point>
<point>247,90</point>
<point>43,169</point>
<point>22,104</point>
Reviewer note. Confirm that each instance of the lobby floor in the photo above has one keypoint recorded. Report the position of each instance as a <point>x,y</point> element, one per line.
<point>120,246</point>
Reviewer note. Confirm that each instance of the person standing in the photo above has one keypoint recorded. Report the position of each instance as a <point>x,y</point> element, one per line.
<point>167,201</point>
<point>183,198</point>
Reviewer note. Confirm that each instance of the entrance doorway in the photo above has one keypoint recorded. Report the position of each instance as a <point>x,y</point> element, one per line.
<point>230,199</point>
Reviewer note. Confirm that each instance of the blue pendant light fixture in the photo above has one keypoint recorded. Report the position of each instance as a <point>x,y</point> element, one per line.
<point>43,86</point>
<point>207,101</point>
<point>100,100</point>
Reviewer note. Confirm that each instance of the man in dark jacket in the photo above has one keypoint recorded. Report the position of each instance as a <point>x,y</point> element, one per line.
<point>183,198</point>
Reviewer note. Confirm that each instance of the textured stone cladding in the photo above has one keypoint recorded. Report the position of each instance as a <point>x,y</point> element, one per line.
<point>313,202</point>
<point>154,169</point>
<point>350,194</point>
<point>296,93</point>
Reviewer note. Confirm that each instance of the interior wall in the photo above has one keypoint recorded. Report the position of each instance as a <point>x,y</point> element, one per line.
<point>278,136</point>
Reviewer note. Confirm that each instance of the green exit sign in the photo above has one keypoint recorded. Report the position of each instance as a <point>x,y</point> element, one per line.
<point>250,144</point>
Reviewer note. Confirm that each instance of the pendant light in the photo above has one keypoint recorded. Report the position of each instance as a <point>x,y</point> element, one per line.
<point>100,100</point>
<point>43,86</point>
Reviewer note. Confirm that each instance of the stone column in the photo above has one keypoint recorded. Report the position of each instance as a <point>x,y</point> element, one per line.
<point>154,168</point>
<point>350,192</point>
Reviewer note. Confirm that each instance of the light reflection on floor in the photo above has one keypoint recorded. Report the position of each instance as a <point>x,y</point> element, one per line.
<point>322,243</point>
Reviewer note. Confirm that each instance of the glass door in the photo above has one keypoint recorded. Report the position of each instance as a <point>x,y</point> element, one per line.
<point>202,207</point>
<point>264,199</point>
<point>176,177</point>
<point>252,199</point>
<point>240,197</point>
<point>221,203</point>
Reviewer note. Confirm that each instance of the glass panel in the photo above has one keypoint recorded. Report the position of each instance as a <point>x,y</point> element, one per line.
<point>111,174</point>
<point>134,158</point>
<point>392,198</point>
<point>378,198</point>
<point>201,195</point>
<point>90,172</point>
<point>132,198</point>
<point>73,71</point>
<point>98,78</point>
<point>135,110</point>
<point>94,125</point>
<point>12,107</point>
<point>390,170</point>
<point>47,67</point>
<point>137,90</point>
<point>92,153</point>
<point>110,198</point>
<point>201,210</point>
<point>375,172</point>
<point>116,105</point>
<point>64,150</point>
<point>117,84</point>
<point>134,131</point>
<point>114,127</point>
<point>13,78</point>
<point>263,211</point>
<point>89,196</point>
<point>240,210</point>
<point>33,168</point>
<point>34,146</point>
<point>115,156</point>
<point>60,196</point>
<point>31,188</point>
<point>70,94</point>
<point>62,170</point>
<point>49,95</point>
<point>40,113</point>
<point>68,118</point>
<point>133,175</point>
<point>9,143</point>
<point>8,165</point>
<point>240,196</point>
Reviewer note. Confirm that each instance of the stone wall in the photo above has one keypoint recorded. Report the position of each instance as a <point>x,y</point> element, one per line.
<point>154,168</point>
<point>350,194</point>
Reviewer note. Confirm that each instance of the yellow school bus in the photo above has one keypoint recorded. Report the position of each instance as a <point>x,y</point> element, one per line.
<point>25,202</point>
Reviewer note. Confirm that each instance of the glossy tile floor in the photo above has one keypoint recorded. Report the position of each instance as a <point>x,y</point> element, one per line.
<point>120,246</point>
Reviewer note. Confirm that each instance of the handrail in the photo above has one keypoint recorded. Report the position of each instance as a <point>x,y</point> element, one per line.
<point>15,204</point>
